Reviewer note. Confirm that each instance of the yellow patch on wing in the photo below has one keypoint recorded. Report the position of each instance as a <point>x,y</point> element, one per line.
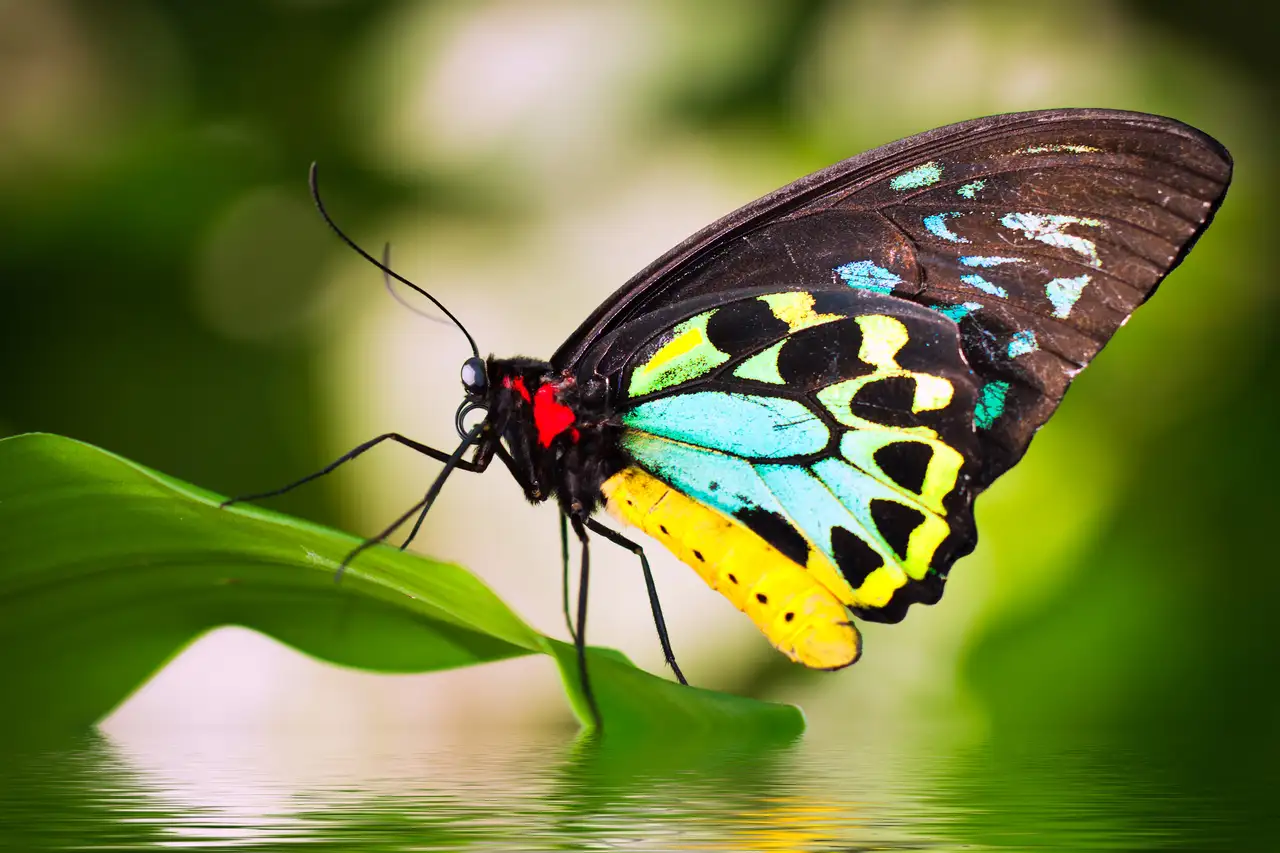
<point>680,345</point>
<point>795,308</point>
<point>882,338</point>
<point>932,393</point>
<point>688,355</point>
<point>799,616</point>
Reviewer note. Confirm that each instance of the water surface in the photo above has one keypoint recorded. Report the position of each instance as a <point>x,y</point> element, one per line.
<point>545,791</point>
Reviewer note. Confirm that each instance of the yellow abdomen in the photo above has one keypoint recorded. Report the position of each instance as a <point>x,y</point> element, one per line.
<point>800,617</point>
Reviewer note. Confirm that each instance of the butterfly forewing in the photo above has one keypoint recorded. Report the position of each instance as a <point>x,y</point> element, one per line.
<point>1037,234</point>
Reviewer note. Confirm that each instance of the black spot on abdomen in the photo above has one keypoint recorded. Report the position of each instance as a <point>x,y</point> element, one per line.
<point>777,531</point>
<point>906,463</point>
<point>854,557</point>
<point>896,522</point>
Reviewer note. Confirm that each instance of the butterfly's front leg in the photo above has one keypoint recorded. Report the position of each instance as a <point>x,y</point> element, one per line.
<point>438,455</point>
<point>422,507</point>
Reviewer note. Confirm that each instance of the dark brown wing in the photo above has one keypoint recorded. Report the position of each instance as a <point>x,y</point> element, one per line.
<point>1038,233</point>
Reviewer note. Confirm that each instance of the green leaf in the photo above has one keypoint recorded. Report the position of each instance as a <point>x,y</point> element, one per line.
<point>109,569</point>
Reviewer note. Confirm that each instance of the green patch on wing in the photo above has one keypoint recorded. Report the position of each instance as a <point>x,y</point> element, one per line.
<point>686,354</point>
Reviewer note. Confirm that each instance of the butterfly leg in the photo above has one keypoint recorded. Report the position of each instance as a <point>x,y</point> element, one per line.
<point>580,638</point>
<point>654,605</point>
<point>564,575</point>
<point>438,455</point>
<point>452,463</point>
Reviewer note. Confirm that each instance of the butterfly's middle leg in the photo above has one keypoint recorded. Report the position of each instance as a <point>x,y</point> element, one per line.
<point>654,605</point>
<point>564,576</point>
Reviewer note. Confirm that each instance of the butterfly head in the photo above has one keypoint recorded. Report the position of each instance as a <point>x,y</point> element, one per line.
<point>475,379</point>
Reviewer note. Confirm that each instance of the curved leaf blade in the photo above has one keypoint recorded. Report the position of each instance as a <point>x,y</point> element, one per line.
<point>108,569</point>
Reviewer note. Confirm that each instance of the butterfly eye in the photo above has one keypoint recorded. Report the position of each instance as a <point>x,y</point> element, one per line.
<point>473,377</point>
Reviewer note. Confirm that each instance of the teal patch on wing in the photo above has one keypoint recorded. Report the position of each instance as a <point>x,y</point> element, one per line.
<point>748,425</point>
<point>902,531</point>
<point>816,510</point>
<point>957,312</point>
<point>990,404</point>
<point>728,483</point>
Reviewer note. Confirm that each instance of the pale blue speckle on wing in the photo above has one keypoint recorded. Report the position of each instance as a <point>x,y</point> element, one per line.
<point>1022,343</point>
<point>865,275</point>
<point>975,280</point>
<point>923,175</point>
<point>989,260</point>
<point>1064,293</point>
<point>937,226</point>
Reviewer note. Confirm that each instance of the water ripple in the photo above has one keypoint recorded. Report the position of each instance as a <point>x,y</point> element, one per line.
<point>533,793</point>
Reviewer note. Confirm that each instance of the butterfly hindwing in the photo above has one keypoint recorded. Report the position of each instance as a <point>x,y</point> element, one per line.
<point>1037,234</point>
<point>834,425</point>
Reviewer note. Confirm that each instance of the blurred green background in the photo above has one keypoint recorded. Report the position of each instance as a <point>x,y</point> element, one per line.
<point>169,294</point>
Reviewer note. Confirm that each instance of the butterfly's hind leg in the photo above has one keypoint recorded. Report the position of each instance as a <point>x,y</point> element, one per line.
<point>438,455</point>
<point>580,637</point>
<point>654,605</point>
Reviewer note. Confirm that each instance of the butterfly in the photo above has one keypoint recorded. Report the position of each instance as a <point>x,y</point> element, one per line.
<point>802,400</point>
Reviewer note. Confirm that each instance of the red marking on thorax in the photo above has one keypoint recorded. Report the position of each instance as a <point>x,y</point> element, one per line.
<point>518,385</point>
<point>550,416</point>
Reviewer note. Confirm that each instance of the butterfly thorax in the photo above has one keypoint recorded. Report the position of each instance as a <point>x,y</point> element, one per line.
<point>557,431</point>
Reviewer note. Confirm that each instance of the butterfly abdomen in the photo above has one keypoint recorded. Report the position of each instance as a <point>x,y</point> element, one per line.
<point>800,617</point>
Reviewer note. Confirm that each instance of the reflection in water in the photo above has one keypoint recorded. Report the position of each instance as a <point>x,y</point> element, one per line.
<point>531,793</point>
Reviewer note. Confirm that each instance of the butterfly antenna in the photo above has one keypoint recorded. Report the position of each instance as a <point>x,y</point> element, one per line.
<point>395,294</point>
<point>313,179</point>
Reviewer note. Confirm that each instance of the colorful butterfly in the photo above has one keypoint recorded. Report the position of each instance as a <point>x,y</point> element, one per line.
<point>802,400</point>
